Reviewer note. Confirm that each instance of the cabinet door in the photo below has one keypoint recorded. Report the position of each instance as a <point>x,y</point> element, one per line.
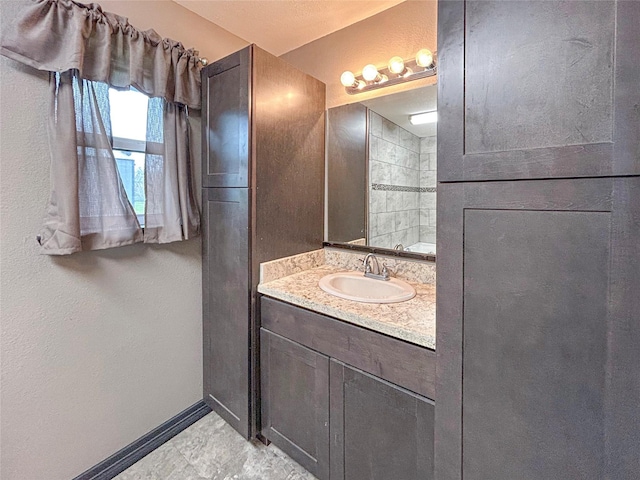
<point>226,302</point>
<point>225,121</point>
<point>538,331</point>
<point>538,89</point>
<point>378,431</point>
<point>295,401</point>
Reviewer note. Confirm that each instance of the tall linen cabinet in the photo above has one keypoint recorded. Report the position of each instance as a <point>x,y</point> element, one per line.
<point>263,184</point>
<point>538,240</point>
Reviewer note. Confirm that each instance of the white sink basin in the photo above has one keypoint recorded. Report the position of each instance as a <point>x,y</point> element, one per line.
<point>355,286</point>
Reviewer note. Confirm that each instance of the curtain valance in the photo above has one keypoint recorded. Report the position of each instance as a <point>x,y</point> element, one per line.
<point>61,35</point>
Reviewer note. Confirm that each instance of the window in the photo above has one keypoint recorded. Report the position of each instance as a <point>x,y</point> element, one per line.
<point>99,198</point>
<point>128,111</point>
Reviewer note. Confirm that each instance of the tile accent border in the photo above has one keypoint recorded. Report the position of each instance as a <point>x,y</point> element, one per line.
<point>123,459</point>
<point>400,188</point>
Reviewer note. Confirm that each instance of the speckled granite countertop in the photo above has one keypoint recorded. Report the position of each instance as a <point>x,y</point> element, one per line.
<point>413,320</point>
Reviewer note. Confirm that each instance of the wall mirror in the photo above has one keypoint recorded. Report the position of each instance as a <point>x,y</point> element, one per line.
<point>381,175</point>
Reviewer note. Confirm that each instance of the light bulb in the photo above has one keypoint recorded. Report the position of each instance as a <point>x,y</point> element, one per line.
<point>424,58</point>
<point>370,73</point>
<point>396,65</point>
<point>348,79</point>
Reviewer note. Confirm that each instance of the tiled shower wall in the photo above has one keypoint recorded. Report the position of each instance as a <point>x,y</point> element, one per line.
<point>394,184</point>
<point>428,163</point>
<point>401,185</point>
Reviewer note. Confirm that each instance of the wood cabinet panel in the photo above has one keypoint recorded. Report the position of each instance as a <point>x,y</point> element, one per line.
<point>225,121</point>
<point>378,430</point>
<point>535,343</point>
<point>510,103</point>
<point>402,363</point>
<point>538,89</point>
<point>288,158</point>
<point>295,401</point>
<point>536,366</point>
<point>225,304</point>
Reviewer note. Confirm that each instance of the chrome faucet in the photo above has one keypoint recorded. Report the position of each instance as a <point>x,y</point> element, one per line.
<point>368,268</point>
<point>399,246</point>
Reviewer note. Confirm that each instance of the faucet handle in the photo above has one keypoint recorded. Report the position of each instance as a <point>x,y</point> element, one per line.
<point>386,271</point>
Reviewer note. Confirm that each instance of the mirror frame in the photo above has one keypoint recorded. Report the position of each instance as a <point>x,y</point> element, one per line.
<point>381,251</point>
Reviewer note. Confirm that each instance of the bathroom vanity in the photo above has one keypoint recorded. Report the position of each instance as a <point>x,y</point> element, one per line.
<point>538,225</point>
<point>348,388</point>
<point>345,388</point>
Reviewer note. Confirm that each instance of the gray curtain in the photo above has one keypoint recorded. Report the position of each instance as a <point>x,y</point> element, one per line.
<point>92,50</point>
<point>171,209</point>
<point>61,35</point>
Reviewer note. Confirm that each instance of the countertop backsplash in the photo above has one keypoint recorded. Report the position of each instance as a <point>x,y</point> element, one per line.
<point>283,267</point>
<point>411,270</point>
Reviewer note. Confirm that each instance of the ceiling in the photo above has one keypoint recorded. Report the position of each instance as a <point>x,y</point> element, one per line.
<point>398,106</point>
<point>280,26</point>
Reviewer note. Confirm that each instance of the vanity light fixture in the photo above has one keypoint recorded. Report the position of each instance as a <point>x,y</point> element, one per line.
<point>397,71</point>
<point>422,118</point>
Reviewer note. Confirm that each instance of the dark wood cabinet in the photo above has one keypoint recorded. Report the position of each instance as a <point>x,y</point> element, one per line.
<point>338,421</point>
<point>530,89</point>
<point>534,343</point>
<point>379,431</point>
<point>295,401</point>
<point>538,255</point>
<point>263,171</point>
<point>225,299</point>
<point>226,97</point>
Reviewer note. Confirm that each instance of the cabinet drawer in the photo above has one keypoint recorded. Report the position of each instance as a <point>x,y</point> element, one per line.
<point>399,362</point>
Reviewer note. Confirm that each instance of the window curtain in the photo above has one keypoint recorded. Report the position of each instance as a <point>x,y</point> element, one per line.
<point>87,51</point>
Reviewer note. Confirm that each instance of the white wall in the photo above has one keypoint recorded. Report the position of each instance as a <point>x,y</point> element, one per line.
<point>97,348</point>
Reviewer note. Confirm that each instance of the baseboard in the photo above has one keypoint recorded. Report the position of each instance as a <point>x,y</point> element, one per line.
<point>123,459</point>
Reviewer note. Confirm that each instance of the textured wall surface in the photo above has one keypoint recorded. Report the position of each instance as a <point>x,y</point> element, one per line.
<point>97,348</point>
<point>401,30</point>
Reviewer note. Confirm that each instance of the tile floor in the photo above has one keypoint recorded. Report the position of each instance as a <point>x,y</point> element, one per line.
<point>211,450</point>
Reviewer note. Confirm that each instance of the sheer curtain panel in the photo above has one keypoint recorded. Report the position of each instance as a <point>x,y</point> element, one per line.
<point>87,51</point>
